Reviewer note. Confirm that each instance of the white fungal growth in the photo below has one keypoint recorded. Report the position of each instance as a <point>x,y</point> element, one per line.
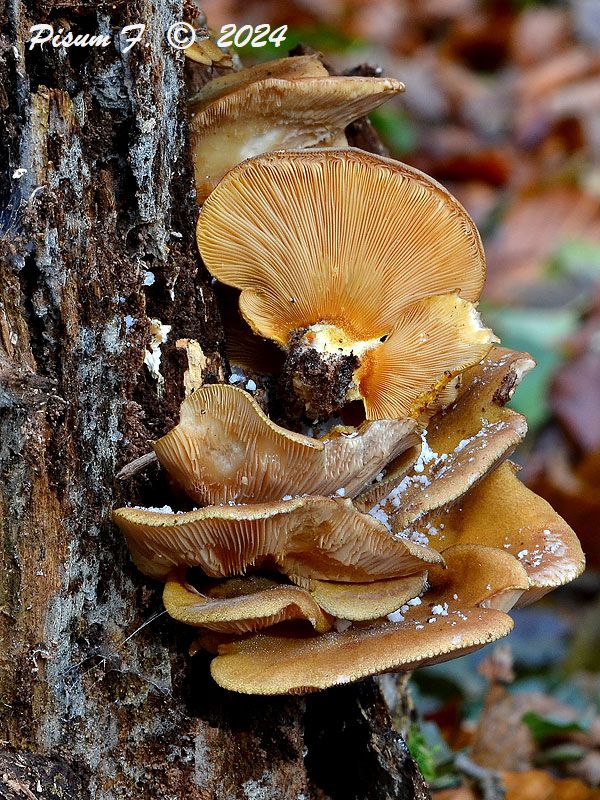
<point>396,616</point>
<point>152,358</point>
<point>427,455</point>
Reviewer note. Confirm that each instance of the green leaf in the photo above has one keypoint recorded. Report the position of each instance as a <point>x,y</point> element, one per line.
<point>576,258</point>
<point>395,128</point>
<point>549,727</point>
<point>540,332</point>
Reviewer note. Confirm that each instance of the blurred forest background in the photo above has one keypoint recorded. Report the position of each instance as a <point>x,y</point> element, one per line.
<point>502,105</point>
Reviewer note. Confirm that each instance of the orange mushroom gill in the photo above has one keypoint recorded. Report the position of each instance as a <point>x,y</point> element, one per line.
<point>363,269</point>
<point>226,449</point>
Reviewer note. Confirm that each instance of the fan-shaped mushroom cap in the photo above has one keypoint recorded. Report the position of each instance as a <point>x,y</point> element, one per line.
<point>502,512</point>
<point>277,664</point>
<point>275,113</point>
<point>364,601</point>
<point>314,537</point>
<point>241,605</point>
<point>478,576</point>
<point>283,68</point>
<point>352,255</point>
<point>225,448</point>
<point>484,390</point>
<point>463,443</point>
<point>443,480</point>
<point>336,236</point>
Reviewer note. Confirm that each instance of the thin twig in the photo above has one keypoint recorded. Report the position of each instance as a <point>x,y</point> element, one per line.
<point>487,780</point>
<point>135,466</point>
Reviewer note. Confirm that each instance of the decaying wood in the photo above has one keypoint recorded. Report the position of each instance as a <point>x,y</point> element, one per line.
<point>99,698</point>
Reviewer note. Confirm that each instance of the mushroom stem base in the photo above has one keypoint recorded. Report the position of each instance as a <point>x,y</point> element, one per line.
<point>314,385</point>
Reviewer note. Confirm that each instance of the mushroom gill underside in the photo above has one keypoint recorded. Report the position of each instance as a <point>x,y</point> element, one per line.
<point>363,270</point>
<point>296,584</point>
<point>400,535</point>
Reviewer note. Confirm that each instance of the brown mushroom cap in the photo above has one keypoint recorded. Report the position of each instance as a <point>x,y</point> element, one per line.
<point>484,390</point>
<point>278,664</point>
<point>502,512</point>
<point>241,605</point>
<point>364,601</point>
<point>225,448</point>
<point>336,236</point>
<point>275,113</point>
<point>314,537</point>
<point>476,575</point>
<point>283,68</point>
<point>464,442</point>
<point>443,480</point>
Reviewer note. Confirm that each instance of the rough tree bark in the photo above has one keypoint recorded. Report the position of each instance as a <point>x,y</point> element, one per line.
<point>93,704</point>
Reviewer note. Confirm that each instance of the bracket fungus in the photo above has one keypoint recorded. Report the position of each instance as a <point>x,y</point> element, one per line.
<point>300,593</point>
<point>402,541</point>
<point>291,103</point>
<point>226,449</point>
<point>363,269</point>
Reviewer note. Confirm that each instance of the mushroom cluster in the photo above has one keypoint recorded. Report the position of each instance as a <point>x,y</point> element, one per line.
<point>405,537</point>
<point>314,562</point>
<point>289,103</point>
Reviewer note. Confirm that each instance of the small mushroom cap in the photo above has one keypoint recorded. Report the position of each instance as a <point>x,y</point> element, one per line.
<point>365,601</point>
<point>434,339</point>
<point>225,448</point>
<point>282,68</point>
<point>442,482</point>
<point>207,52</point>
<point>484,390</point>
<point>241,605</point>
<point>336,236</point>
<point>277,664</point>
<point>314,537</point>
<point>476,575</point>
<point>503,513</point>
<point>273,114</point>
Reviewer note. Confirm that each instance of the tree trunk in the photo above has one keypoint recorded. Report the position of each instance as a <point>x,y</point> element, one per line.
<point>98,695</point>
